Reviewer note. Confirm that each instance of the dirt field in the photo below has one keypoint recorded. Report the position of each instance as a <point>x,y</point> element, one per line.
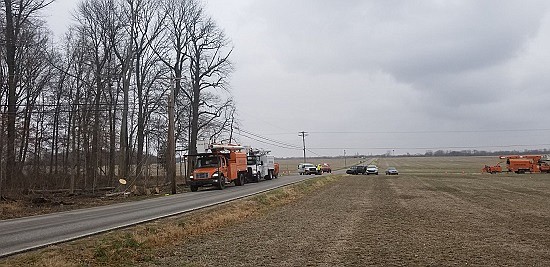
<point>431,214</point>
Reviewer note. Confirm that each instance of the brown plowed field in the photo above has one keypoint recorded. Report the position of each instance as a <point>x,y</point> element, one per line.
<point>432,214</point>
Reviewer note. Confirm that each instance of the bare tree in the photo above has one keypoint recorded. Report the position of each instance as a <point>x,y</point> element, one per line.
<point>209,67</point>
<point>97,21</point>
<point>124,51</point>
<point>17,15</point>
<point>149,25</point>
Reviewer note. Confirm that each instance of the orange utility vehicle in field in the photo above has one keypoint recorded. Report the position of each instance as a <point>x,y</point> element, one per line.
<point>222,165</point>
<point>492,169</point>
<point>526,163</point>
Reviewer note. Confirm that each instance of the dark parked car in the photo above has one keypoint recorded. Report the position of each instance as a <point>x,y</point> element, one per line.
<point>392,171</point>
<point>356,170</point>
<point>352,170</point>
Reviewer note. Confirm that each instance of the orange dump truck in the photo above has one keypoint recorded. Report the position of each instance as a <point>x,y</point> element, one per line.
<point>223,165</point>
<point>526,163</point>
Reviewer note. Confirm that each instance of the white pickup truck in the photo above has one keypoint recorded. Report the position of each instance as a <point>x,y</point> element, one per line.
<point>307,168</point>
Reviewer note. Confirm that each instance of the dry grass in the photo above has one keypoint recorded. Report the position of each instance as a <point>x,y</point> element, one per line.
<point>144,243</point>
<point>9,207</point>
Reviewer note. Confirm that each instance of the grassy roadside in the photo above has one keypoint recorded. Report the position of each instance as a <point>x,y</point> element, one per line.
<point>147,242</point>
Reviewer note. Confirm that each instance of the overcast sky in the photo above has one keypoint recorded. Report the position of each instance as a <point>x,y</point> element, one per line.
<point>378,76</point>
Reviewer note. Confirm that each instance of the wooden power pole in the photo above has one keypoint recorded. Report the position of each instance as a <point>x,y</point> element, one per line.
<point>303,135</point>
<point>171,157</point>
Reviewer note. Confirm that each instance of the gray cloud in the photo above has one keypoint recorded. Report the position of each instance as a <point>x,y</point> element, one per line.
<point>381,67</point>
<point>388,73</point>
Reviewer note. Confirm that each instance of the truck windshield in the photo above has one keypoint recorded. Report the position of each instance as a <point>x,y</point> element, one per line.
<point>250,160</point>
<point>207,162</point>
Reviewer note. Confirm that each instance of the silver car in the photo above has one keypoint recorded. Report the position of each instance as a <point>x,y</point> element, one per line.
<point>392,171</point>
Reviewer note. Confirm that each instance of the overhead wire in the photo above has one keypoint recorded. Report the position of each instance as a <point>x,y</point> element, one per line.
<point>262,139</point>
<point>268,139</point>
<point>265,142</point>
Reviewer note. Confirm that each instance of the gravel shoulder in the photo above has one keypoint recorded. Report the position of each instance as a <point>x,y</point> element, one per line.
<point>379,220</point>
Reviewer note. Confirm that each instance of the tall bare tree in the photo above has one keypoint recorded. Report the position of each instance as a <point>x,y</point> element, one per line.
<point>149,25</point>
<point>209,67</point>
<point>17,16</point>
<point>97,20</point>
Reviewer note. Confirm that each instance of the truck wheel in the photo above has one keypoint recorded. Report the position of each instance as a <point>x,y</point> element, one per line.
<point>257,177</point>
<point>194,188</point>
<point>221,183</point>
<point>240,180</point>
<point>269,175</point>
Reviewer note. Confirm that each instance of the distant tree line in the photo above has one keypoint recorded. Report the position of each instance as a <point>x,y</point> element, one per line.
<point>447,153</point>
<point>444,153</point>
<point>86,112</point>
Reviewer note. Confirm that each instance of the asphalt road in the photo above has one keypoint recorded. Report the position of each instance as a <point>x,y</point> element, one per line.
<point>22,234</point>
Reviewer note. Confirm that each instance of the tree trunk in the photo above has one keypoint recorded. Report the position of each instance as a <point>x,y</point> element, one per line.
<point>124,151</point>
<point>141,118</point>
<point>95,131</point>
<point>112,138</point>
<point>12,98</point>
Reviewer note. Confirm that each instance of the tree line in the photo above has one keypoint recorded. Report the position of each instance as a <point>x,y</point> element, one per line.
<point>89,110</point>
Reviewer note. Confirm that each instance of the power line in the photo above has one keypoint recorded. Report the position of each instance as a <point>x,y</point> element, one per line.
<point>261,139</point>
<point>268,139</point>
<point>265,142</point>
<point>314,153</point>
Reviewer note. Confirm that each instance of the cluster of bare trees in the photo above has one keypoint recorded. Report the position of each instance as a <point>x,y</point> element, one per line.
<point>94,109</point>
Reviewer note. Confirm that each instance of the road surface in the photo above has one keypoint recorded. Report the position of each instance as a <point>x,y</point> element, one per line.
<point>22,234</point>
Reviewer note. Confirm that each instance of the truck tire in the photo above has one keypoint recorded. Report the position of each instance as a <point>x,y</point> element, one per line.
<point>221,183</point>
<point>269,175</point>
<point>240,180</point>
<point>257,178</point>
<point>194,188</point>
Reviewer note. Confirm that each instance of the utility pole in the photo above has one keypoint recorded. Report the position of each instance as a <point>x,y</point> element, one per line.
<point>171,157</point>
<point>345,158</point>
<point>303,135</point>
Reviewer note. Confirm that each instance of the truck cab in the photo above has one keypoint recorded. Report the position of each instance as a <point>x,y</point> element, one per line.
<point>210,170</point>
<point>218,168</point>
